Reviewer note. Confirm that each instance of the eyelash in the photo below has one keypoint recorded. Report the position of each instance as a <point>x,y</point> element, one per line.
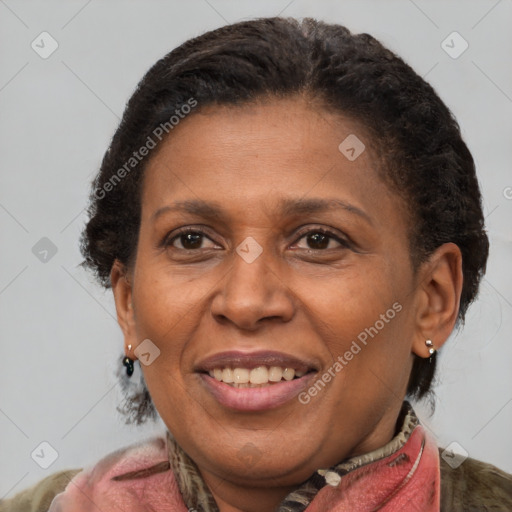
<point>168,241</point>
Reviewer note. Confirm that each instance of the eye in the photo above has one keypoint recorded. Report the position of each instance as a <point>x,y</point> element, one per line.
<point>189,239</point>
<point>322,239</point>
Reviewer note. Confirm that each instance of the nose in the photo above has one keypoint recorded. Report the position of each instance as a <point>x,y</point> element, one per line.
<point>252,294</point>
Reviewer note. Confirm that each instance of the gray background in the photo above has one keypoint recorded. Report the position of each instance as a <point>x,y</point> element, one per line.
<point>60,342</point>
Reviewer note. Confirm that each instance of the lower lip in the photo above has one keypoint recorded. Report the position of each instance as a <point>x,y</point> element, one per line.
<point>255,399</point>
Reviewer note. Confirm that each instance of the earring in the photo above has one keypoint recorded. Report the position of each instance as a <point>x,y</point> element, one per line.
<point>128,363</point>
<point>431,349</point>
<point>129,366</point>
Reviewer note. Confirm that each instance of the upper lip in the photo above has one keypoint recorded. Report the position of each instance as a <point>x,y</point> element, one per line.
<point>250,360</point>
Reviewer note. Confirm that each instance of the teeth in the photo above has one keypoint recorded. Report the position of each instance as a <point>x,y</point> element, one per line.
<point>247,385</point>
<point>227,375</point>
<point>257,377</point>
<point>241,375</point>
<point>275,374</point>
<point>288,373</point>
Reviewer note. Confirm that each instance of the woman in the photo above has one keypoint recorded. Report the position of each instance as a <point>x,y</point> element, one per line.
<point>291,226</point>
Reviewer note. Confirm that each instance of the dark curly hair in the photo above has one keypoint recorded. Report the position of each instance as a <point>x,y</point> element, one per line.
<point>421,154</point>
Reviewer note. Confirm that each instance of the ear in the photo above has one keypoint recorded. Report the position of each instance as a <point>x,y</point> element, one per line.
<point>437,298</point>
<point>122,288</point>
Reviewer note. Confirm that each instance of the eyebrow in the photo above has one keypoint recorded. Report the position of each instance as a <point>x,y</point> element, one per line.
<point>288,207</point>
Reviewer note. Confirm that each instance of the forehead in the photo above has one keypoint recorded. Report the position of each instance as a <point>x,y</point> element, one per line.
<point>250,153</point>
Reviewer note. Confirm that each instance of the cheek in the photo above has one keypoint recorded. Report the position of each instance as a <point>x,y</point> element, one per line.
<point>364,326</point>
<point>165,301</point>
<point>351,301</point>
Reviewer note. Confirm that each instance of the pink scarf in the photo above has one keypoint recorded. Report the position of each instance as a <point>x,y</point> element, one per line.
<point>408,480</point>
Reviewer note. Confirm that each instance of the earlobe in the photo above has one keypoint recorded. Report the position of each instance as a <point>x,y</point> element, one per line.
<point>438,303</point>
<point>123,297</point>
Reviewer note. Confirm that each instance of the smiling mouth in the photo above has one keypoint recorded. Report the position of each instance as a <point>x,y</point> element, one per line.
<point>258,377</point>
<point>255,381</point>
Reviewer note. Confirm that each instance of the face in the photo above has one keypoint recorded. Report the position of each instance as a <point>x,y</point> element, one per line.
<point>266,254</point>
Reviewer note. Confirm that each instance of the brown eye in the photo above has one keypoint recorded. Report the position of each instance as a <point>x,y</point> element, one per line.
<point>318,241</point>
<point>191,240</point>
<point>321,240</point>
<point>188,240</point>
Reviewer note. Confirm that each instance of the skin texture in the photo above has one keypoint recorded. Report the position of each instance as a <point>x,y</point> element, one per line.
<point>296,297</point>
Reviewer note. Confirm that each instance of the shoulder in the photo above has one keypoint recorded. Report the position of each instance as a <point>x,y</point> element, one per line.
<point>474,486</point>
<point>38,497</point>
<point>134,466</point>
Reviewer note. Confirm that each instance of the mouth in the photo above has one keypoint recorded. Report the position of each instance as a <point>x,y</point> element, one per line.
<point>255,381</point>
<point>257,377</point>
